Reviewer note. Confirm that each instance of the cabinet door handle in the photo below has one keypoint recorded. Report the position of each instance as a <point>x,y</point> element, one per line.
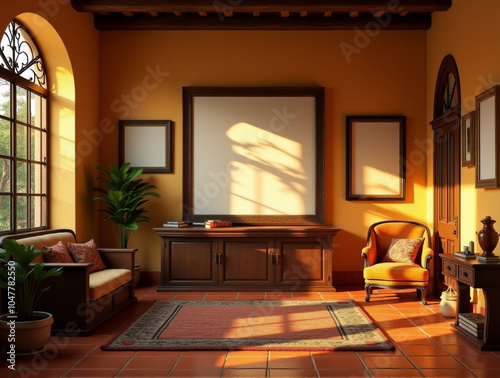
<point>277,259</point>
<point>218,258</point>
<point>466,274</point>
<point>448,267</point>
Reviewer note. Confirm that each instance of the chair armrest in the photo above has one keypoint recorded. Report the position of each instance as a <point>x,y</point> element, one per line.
<point>116,258</point>
<point>369,253</point>
<point>427,256</point>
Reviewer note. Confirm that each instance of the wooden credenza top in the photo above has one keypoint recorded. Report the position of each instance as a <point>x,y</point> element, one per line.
<point>250,231</point>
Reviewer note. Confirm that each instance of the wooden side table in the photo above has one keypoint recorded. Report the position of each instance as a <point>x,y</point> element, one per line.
<point>484,275</point>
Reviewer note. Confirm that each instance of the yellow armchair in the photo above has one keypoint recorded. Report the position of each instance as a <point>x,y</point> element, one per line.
<point>395,275</point>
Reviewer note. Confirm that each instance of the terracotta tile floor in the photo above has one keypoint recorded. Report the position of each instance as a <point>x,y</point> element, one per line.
<point>425,346</point>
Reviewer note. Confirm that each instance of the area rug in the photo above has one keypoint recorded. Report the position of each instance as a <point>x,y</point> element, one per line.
<point>251,325</point>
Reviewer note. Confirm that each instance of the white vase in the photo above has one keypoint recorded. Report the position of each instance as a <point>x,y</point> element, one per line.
<point>448,304</point>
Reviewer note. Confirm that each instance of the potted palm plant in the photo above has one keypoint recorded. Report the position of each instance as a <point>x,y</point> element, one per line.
<point>124,194</point>
<point>23,330</point>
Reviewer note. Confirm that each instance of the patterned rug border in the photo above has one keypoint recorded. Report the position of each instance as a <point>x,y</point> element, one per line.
<point>381,342</point>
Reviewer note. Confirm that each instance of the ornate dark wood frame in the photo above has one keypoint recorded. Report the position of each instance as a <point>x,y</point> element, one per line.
<point>469,139</point>
<point>167,124</point>
<point>350,196</point>
<point>190,92</point>
<point>495,181</point>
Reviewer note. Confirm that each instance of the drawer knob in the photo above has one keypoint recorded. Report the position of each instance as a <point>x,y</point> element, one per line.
<point>448,267</point>
<point>466,274</point>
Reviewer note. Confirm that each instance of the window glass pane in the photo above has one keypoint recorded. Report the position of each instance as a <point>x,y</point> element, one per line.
<point>36,178</point>
<point>4,98</point>
<point>44,211</point>
<point>5,176</point>
<point>43,157</point>
<point>4,137</point>
<point>22,213</point>
<point>44,178</point>
<point>43,113</point>
<point>21,104</point>
<point>36,211</point>
<point>22,141</point>
<point>5,213</point>
<point>36,109</point>
<point>22,177</point>
<point>36,145</point>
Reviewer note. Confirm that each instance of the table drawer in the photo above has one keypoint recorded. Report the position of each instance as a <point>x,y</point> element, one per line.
<point>465,275</point>
<point>449,269</point>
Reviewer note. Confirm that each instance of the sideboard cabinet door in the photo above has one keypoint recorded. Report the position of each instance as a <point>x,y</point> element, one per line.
<point>190,263</point>
<point>303,263</point>
<point>246,262</point>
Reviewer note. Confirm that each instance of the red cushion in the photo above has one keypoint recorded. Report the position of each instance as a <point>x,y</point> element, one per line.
<point>58,253</point>
<point>403,250</point>
<point>87,253</point>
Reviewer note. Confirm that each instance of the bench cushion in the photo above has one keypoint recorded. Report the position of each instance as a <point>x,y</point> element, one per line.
<point>105,281</point>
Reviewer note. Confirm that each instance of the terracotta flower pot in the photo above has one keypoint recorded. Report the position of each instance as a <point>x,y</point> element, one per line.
<point>28,337</point>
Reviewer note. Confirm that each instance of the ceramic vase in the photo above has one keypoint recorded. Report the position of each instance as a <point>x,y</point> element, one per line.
<point>448,304</point>
<point>487,237</point>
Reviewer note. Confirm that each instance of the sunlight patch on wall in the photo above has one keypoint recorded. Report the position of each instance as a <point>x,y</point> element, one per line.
<point>268,176</point>
<point>376,181</point>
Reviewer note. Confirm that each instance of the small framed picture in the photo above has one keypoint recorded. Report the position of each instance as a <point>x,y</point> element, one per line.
<point>376,156</point>
<point>468,139</point>
<point>146,145</point>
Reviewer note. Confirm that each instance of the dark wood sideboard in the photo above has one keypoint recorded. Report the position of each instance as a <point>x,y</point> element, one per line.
<point>485,275</point>
<point>246,258</point>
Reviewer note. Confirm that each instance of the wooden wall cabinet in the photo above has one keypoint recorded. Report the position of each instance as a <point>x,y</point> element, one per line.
<point>246,258</point>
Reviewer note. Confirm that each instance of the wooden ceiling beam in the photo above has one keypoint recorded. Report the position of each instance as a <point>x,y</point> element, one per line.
<point>250,22</point>
<point>194,6</point>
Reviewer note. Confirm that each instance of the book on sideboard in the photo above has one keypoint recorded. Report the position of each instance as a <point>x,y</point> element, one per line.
<point>217,223</point>
<point>175,224</point>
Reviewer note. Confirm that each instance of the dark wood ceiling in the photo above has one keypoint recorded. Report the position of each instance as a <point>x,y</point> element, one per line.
<point>261,14</point>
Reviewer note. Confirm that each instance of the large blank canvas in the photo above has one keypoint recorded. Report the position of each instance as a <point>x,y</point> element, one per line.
<point>254,155</point>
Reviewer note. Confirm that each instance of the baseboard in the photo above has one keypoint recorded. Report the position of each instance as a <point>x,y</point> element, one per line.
<point>348,278</point>
<point>149,278</point>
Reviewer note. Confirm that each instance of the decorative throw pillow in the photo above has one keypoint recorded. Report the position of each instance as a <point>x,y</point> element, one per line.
<point>87,253</point>
<point>403,250</point>
<point>58,253</point>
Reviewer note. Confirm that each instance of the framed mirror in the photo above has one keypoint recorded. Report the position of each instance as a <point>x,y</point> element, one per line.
<point>376,155</point>
<point>487,133</point>
<point>253,155</point>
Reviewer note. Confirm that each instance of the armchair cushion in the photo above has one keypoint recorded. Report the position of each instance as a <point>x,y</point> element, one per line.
<point>396,273</point>
<point>87,253</point>
<point>403,250</point>
<point>58,253</point>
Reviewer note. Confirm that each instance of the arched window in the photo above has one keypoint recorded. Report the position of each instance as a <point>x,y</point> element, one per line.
<point>447,91</point>
<point>23,132</point>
